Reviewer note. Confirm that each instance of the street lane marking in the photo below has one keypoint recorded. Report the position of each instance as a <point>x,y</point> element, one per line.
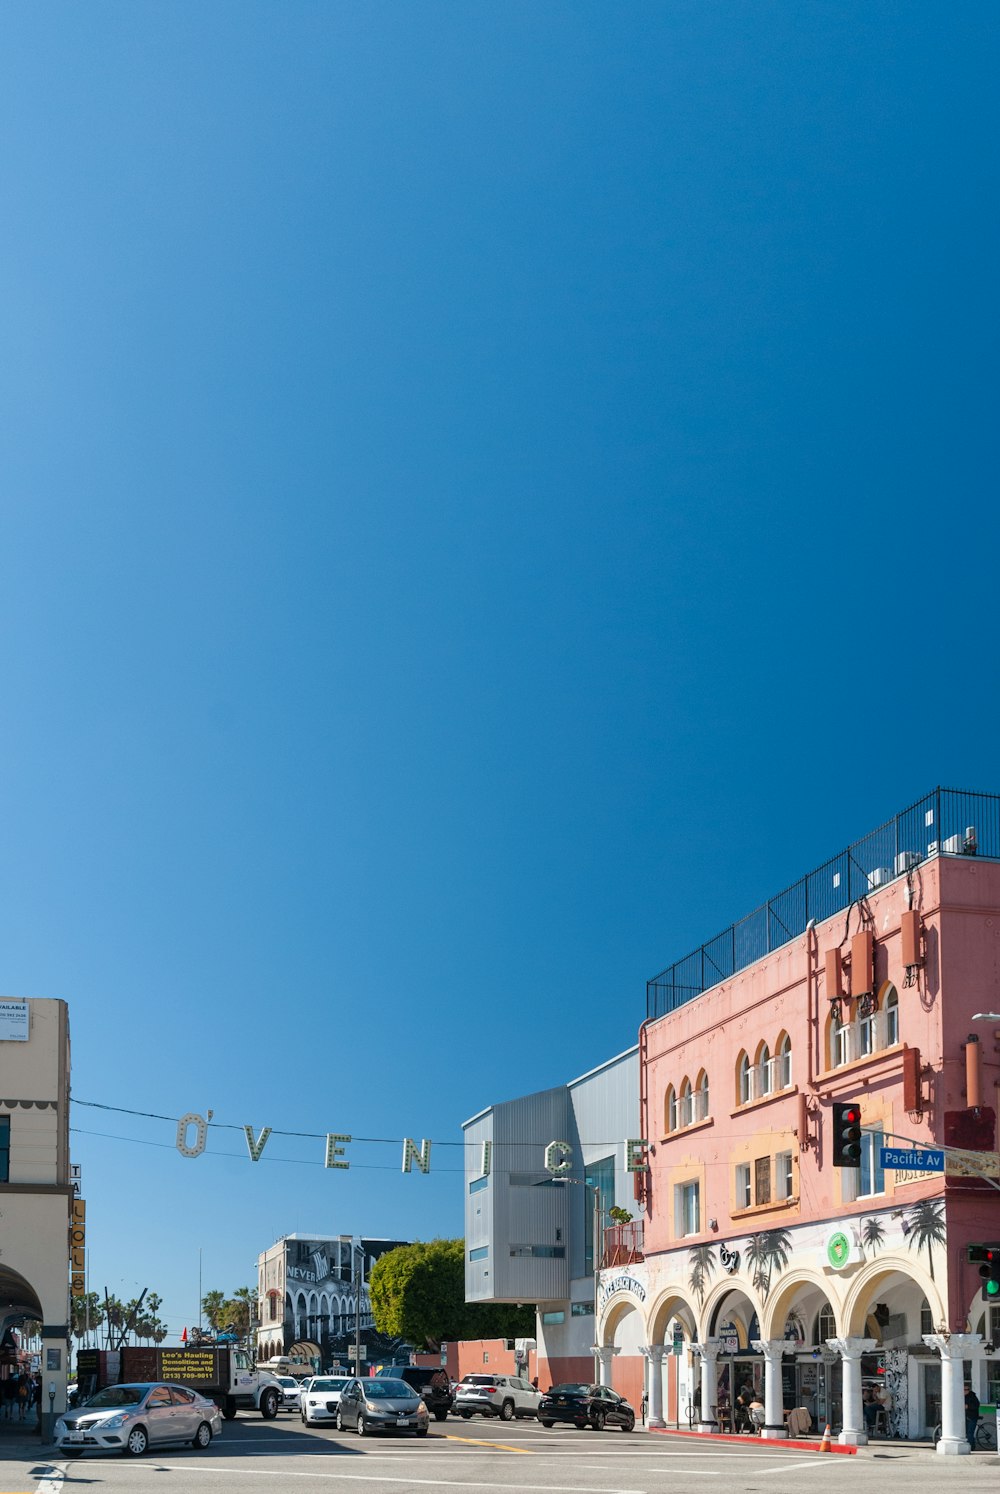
<point>480,1442</point>
<point>382,1478</point>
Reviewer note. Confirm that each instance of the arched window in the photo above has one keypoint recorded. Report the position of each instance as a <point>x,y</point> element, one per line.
<point>764,1075</point>
<point>701,1097</point>
<point>866,1034</point>
<point>840,1041</point>
<point>670,1109</point>
<point>890,1015</point>
<point>782,1063</point>
<point>826,1324</point>
<point>743,1084</point>
<point>926,1317</point>
<point>686,1106</point>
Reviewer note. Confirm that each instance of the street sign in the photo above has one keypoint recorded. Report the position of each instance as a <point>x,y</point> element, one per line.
<point>916,1159</point>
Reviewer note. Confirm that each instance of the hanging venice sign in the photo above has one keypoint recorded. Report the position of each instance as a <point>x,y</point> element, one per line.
<point>192,1139</point>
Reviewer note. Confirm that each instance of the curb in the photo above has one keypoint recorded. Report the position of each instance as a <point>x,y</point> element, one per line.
<point>775,1443</point>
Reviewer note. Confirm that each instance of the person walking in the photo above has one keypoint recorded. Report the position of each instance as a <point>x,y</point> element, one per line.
<point>971,1414</point>
<point>22,1397</point>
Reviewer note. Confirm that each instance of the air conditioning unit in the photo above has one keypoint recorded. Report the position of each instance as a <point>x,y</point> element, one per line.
<point>906,861</point>
<point>954,845</point>
<point>879,876</point>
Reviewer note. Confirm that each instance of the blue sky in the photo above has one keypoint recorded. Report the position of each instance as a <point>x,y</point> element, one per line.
<point>488,493</point>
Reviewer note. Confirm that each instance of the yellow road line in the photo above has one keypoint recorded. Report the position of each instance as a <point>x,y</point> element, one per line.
<point>478,1442</point>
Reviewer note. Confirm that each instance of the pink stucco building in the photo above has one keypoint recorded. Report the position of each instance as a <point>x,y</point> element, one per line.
<point>765,1265</point>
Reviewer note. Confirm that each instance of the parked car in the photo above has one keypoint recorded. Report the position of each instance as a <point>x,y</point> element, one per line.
<point>504,1396</point>
<point>132,1418</point>
<point>320,1398</point>
<point>594,1406</point>
<point>431,1385</point>
<point>381,1405</point>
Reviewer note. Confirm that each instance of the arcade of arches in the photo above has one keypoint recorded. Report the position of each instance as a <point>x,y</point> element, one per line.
<point>801,1334</point>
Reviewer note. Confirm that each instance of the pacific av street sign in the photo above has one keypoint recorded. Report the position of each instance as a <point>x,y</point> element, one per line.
<point>915,1159</point>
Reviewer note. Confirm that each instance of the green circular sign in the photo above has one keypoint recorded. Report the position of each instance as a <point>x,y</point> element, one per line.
<point>838,1249</point>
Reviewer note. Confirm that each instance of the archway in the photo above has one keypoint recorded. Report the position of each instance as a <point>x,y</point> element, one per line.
<point>802,1312</point>
<point>621,1336</point>
<point>890,1302</point>
<point>730,1322</point>
<point>672,1328</point>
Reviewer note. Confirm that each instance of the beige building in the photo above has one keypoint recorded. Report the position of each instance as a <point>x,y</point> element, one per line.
<point>36,1195</point>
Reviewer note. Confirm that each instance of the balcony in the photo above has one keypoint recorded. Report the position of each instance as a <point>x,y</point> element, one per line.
<point>622,1245</point>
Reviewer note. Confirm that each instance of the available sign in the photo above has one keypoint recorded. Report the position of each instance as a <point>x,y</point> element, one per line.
<point>13,1021</point>
<point>912,1158</point>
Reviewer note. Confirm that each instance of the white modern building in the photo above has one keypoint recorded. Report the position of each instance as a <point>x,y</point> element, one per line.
<point>531,1234</point>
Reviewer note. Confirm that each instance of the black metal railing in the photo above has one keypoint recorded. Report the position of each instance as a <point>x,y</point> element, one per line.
<point>945,822</point>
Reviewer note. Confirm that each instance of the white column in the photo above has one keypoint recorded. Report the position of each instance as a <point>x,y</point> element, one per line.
<point>655,1354</point>
<point>605,1354</point>
<point>708,1353</point>
<point>774,1419</point>
<point>850,1351</point>
<point>953,1348</point>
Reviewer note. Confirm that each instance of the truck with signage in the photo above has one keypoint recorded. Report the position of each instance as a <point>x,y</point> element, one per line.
<point>225,1373</point>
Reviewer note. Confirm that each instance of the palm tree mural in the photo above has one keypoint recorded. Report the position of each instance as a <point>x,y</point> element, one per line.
<point>925,1221</point>
<point>702,1267</point>
<point>872,1233</point>
<point>765,1253</point>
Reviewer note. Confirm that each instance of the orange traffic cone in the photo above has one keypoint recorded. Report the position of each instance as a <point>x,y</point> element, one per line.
<point>824,1445</point>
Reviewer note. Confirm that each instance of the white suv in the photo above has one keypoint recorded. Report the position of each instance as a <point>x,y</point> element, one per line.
<point>505,1396</point>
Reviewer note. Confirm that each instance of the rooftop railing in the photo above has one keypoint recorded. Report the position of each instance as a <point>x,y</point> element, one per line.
<point>950,822</point>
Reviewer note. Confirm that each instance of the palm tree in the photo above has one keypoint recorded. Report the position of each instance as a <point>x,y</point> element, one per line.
<point>702,1267</point>
<point>241,1310</point>
<point>213,1305</point>
<point>872,1232</point>
<point>926,1227</point>
<point>767,1252</point>
<point>88,1314</point>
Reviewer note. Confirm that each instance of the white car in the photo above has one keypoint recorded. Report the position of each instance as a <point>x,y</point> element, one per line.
<point>503,1396</point>
<point>289,1393</point>
<point>321,1398</point>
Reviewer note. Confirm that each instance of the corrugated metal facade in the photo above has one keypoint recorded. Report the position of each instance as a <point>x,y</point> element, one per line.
<point>520,1208</point>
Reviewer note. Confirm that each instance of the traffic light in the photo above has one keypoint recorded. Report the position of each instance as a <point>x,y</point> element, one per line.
<point>846,1133</point>
<point>987,1258</point>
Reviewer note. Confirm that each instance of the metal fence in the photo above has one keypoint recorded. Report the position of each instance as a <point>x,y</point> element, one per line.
<point>949,822</point>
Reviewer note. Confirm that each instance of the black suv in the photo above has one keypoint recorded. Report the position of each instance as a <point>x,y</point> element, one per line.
<point>430,1384</point>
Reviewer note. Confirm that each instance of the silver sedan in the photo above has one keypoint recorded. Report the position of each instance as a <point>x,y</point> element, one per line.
<point>132,1418</point>
<point>379,1405</point>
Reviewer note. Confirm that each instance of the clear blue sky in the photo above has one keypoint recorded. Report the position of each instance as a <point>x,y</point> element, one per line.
<point>488,493</point>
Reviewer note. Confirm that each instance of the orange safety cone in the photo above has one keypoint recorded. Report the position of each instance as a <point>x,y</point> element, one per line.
<point>824,1445</point>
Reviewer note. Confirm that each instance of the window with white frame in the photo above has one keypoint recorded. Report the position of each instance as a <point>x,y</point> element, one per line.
<point>783,1176</point>
<point>891,1015</point>
<point>840,1042</point>
<point>868,1178</point>
<point>671,1109</point>
<point>865,1030</point>
<point>782,1064</point>
<point>826,1324</point>
<point>743,1185</point>
<point>701,1099</point>
<point>743,1080</point>
<point>763,1075</point>
<point>686,1104</point>
<point>687,1211</point>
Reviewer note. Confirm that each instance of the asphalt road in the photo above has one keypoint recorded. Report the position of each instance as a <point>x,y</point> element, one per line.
<point>482,1457</point>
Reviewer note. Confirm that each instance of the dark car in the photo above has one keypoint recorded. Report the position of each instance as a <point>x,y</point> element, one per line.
<point>432,1385</point>
<point>585,1406</point>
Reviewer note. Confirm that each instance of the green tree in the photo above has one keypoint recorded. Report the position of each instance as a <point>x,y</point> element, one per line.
<point>240,1310</point>
<point>88,1314</point>
<point>213,1306</point>
<point>418,1294</point>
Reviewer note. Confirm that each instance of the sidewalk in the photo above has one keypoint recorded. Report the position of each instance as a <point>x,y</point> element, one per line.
<point>808,1443</point>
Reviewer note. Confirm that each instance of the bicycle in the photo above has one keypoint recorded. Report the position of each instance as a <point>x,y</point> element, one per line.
<point>983,1441</point>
